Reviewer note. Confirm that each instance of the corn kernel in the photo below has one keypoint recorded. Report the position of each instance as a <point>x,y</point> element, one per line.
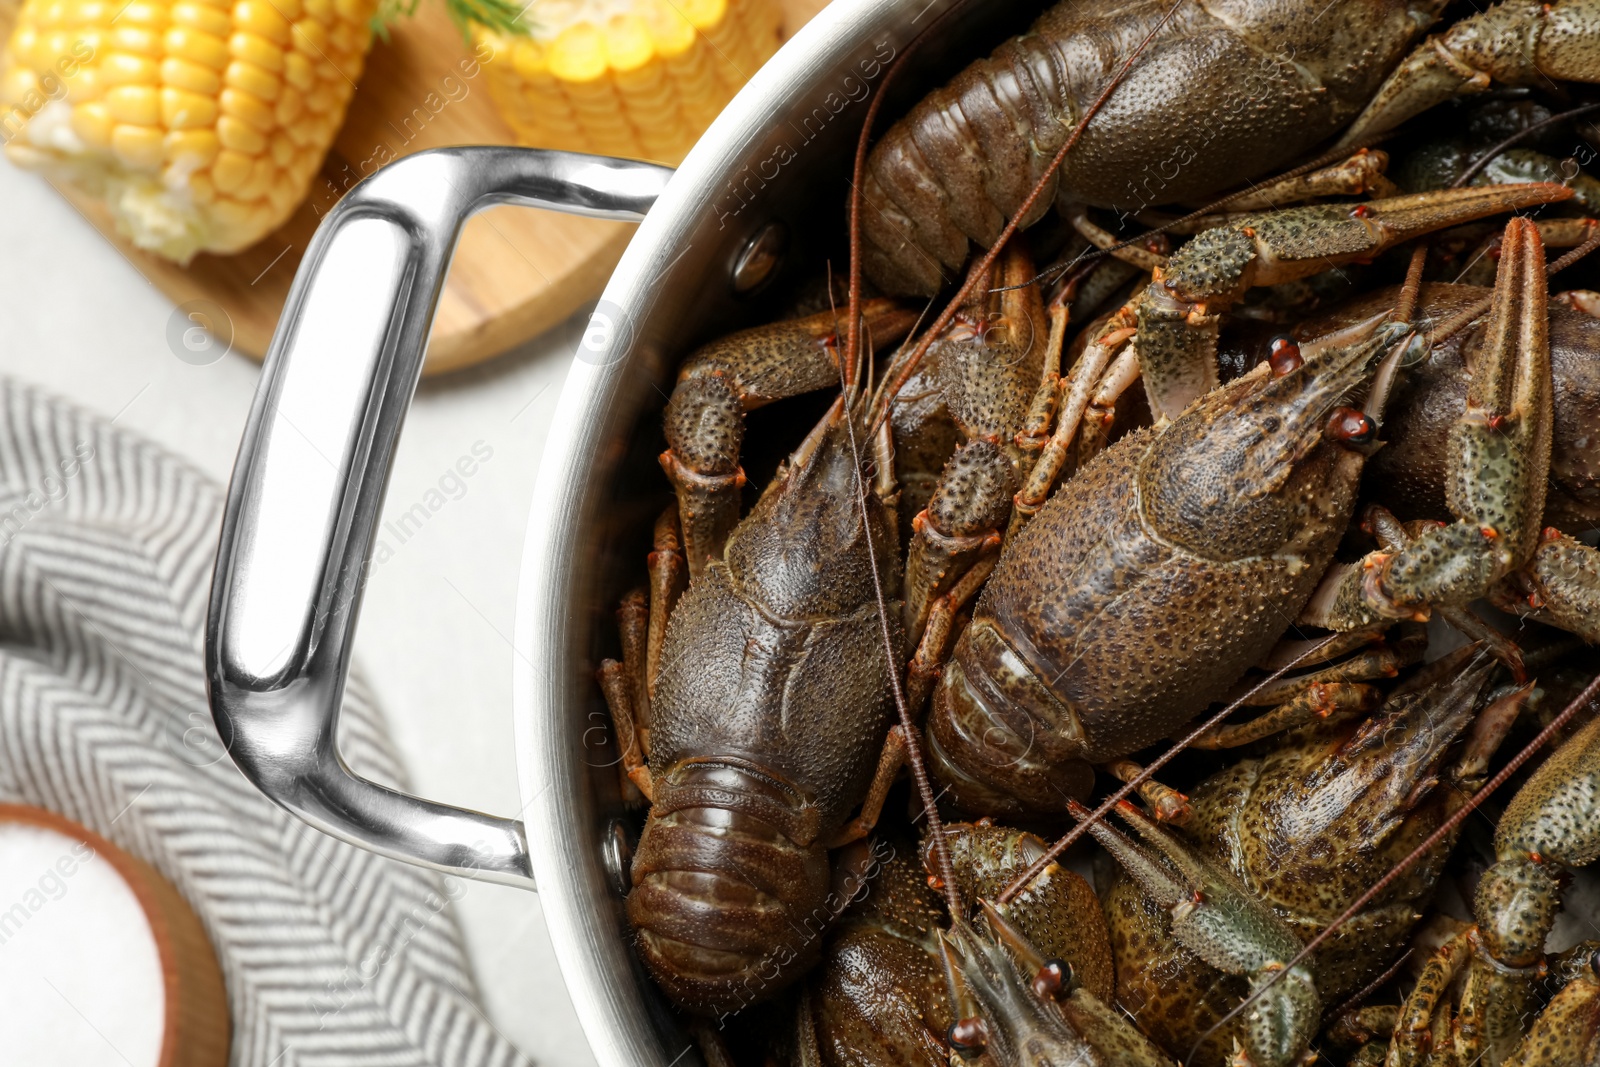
<point>347,37</point>
<point>197,16</point>
<point>528,56</point>
<point>292,9</point>
<point>256,184</point>
<point>240,136</point>
<point>310,37</point>
<point>121,69</point>
<point>19,81</point>
<point>96,43</point>
<point>138,105</point>
<point>252,79</point>
<point>144,13</point>
<point>321,10</point>
<point>192,149</point>
<point>705,14</point>
<point>196,47</point>
<point>231,170</point>
<point>304,132</point>
<point>187,111</point>
<point>290,104</point>
<point>298,71</point>
<point>92,123</point>
<point>55,45</point>
<point>628,44</point>
<point>285,192</point>
<point>283,150</point>
<point>139,147</point>
<point>260,18</point>
<point>578,54</point>
<point>201,189</point>
<point>231,212</point>
<point>672,33</point>
<point>256,51</point>
<point>192,77</point>
<point>247,108</point>
<point>135,40</point>
<point>326,99</point>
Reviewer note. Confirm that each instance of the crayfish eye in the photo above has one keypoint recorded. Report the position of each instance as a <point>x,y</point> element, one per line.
<point>1348,426</point>
<point>1053,979</point>
<point>969,1037</point>
<point>1594,963</point>
<point>1284,357</point>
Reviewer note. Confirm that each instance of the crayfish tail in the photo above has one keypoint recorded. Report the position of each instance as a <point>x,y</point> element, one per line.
<point>728,906</point>
<point>998,741</point>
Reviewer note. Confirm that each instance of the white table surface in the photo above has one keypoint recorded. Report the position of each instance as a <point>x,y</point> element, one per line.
<point>78,320</point>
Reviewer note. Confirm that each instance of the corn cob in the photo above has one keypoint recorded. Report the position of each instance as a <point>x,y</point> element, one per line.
<point>639,78</point>
<point>199,123</point>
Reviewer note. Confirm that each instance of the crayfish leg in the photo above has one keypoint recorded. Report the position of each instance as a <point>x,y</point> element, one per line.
<point>1219,921</point>
<point>1362,173</point>
<point>1101,414</point>
<point>940,631</point>
<point>1320,701</point>
<point>1500,461</point>
<point>1424,1018</point>
<point>1560,586</point>
<point>958,529</point>
<point>669,573</point>
<point>1567,1031</point>
<point>1166,803</point>
<point>890,760</point>
<point>629,686</point>
<point>734,375</point>
<point>1554,41</point>
<point>1180,313</point>
<point>1077,390</point>
<point>618,691</point>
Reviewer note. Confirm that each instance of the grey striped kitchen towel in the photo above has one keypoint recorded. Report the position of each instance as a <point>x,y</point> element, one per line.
<point>333,957</point>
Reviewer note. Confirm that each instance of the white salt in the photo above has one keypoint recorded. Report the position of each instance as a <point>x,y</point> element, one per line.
<point>80,978</point>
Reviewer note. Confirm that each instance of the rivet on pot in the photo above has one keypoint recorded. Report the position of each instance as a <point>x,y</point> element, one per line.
<point>616,852</point>
<point>759,258</point>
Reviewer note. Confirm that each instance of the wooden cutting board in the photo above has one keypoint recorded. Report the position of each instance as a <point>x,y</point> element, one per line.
<point>516,273</point>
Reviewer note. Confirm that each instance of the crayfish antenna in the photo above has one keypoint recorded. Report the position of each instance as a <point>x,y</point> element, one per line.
<point>1488,156</point>
<point>854,354</point>
<point>1383,379</point>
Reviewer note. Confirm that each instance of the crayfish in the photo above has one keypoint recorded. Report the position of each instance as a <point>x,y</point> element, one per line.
<point>1068,551</point>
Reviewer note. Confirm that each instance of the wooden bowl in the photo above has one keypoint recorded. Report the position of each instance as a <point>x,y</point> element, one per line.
<point>195,1027</point>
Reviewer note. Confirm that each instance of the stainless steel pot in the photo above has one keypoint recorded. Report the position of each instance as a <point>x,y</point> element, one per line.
<point>308,485</point>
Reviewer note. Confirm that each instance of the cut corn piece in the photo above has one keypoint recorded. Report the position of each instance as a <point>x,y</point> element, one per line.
<point>637,78</point>
<point>187,118</point>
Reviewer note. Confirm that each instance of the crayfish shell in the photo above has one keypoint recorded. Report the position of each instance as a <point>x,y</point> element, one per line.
<point>728,907</point>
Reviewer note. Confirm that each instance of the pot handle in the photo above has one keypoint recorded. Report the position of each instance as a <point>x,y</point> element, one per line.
<point>309,481</point>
